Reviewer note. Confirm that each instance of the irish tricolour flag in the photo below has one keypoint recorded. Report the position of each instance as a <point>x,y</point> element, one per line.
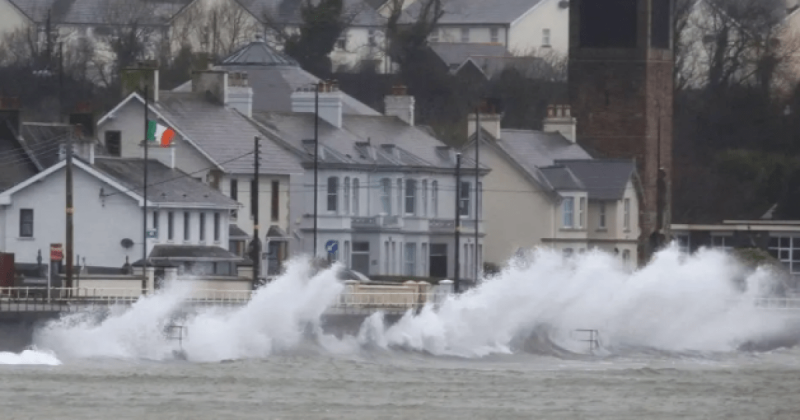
<point>159,133</point>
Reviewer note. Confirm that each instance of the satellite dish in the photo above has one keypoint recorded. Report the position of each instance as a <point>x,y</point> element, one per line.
<point>126,243</point>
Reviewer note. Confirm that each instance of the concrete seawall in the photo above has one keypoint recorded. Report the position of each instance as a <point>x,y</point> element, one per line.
<point>17,328</point>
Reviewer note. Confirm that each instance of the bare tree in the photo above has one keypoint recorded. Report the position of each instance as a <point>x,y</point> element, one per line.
<point>720,43</point>
<point>407,39</point>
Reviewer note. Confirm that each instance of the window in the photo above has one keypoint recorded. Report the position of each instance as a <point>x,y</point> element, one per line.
<point>464,34</point>
<point>411,196</point>
<point>186,226</point>
<point>253,197</point>
<point>424,260</point>
<point>170,226</point>
<point>626,217</point>
<point>386,195</point>
<point>684,244</point>
<point>568,210</point>
<point>155,221</point>
<point>356,193</point>
<point>359,261</point>
<point>347,195</point>
<point>602,211</point>
<point>568,252</point>
<point>276,200</point>
<point>386,258</point>
<point>114,143</point>
<point>371,41</point>
<point>333,193</point>
<point>216,227</point>
<point>581,211</point>
<point>202,227</point>
<point>434,35</point>
<point>787,250</point>
<point>425,197</point>
<point>463,199</point>
<point>545,37</point>
<point>26,223</point>
<point>341,43</point>
<point>479,197</point>
<point>411,260</point>
<point>393,258</point>
<point>399,197</point>
<point>235,190</point>
<point>722,241</point>
<point>494,34</point>
<point>435,198</point>
<point>626,255</point>
<point>346,257</point>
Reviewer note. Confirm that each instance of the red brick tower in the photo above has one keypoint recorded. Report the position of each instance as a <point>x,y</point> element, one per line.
<point>621,90</point>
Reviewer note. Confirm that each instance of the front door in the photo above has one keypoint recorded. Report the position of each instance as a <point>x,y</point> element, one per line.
<point>438,261</point>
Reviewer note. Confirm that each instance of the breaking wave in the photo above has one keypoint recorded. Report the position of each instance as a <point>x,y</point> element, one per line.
<point>29,357</point>
<point>678,303</point>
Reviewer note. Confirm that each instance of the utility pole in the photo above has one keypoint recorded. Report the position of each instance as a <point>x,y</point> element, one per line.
<point>255,245</point>
<point>457,276</point>
<point>144,195</point>
<point>316,162</point>
<point>477,189</point>
<point>70,211</point>
<point>60,81</point>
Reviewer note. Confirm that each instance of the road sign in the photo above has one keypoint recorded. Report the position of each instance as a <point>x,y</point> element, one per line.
<point>152,233</point>
<point>56,252</point>
<point>332,246</point>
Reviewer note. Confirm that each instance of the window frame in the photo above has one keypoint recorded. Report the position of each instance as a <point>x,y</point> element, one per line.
<point>332,194</point>
<point>23,223</point>
<point>568,213</point>
<point>410,197</point>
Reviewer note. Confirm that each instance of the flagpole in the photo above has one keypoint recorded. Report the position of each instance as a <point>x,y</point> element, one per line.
<point>144,195</point>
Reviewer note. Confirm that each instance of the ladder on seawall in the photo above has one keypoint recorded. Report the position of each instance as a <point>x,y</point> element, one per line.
<point>593,338</point>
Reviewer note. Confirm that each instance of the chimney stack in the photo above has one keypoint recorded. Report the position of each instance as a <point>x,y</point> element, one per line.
<point>399,104</point>
<point>240,94</point>
<point>330,102</point>
<point>490,122</point>
<point>559,120</point>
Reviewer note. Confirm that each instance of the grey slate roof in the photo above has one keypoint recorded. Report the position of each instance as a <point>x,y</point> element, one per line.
<point>258,53</point>
<point>362,140</point>
<point>223,134</point>
<point>273,83</point>
<point>191,253</point>
<point>456,53</point>
<point>43,141</point>
<point>561,178</point>
<point>15,163</point>
<point>605,179</point>
<point>150,12</point>
<point>235,232</point>
<point>287,12</point>
<point>165,185</point>
<point>459,12</point>
<point>539,149</point>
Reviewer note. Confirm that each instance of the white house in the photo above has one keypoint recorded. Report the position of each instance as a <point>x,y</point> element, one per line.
<point>188,220</point>
<point>524,27</point>
<point>545,190</point>
<point>215,143</point>
<point>386,188</point>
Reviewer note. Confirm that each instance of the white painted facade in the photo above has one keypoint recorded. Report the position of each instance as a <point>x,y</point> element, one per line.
<point>520,214</point>
<point>400,241</point>
<point>105,214</point>
<point>542,29</point>
<point>187,157</point>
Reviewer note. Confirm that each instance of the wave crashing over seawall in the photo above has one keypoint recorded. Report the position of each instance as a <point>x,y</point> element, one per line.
<point>678,303</point>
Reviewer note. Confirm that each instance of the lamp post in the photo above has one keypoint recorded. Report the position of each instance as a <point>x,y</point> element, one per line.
<point>317,87</point>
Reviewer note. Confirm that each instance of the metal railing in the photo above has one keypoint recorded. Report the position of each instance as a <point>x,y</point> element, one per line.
<point>37,298</point>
